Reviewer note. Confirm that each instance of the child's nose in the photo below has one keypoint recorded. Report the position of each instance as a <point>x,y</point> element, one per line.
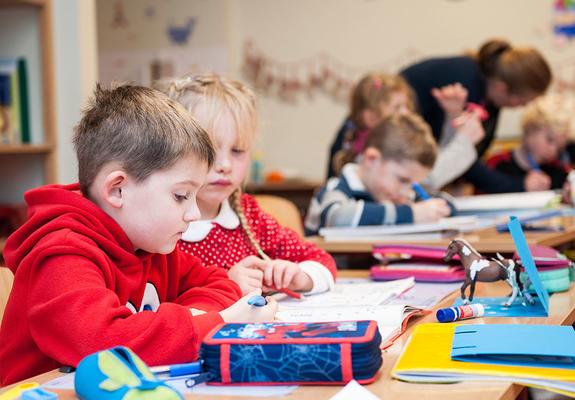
<point>223,165</point>
<point>192,213</point>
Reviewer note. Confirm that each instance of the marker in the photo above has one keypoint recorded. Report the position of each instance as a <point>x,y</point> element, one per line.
<point>196,380</point>
<point>478,109</point>
<point>178,369</point>
<point>532,163</point>
<point>257,300</point>
<point>462,312</point>
<point>420,191</point>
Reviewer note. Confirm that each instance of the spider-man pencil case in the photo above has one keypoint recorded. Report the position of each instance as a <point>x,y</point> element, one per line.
<point>276,353</point>
<point>424,263</point>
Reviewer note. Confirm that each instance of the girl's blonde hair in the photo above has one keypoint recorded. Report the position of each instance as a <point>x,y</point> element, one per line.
<point>370,93</point>
<point>373,90</point>
<point>404,138</point>
<point>522,69</point>
<point>217,93</point>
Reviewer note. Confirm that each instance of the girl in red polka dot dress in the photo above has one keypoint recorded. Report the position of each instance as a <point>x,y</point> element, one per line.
<point>234,232</point>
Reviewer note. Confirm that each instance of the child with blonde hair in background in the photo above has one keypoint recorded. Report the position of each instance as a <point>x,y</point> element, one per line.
<point>379,95</point>
<point>546,125</point>
<point>377,190</point>
<point>234,232</point>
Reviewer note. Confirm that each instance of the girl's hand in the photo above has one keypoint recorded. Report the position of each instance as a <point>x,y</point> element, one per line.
<point>279,274</point>
<point>248,274</point>
<point>451,99</point>
<point>430,210</point>
<point>241,311</point>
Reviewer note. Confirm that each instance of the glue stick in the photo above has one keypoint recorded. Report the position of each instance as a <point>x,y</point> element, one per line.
<point>462,312</point>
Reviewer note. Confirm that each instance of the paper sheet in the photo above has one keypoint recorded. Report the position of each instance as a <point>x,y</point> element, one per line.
<point>66,382</point>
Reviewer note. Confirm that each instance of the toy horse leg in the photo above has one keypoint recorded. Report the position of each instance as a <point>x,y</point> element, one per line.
<point>472,290</point>
<point>463,287</point>
<point>513,296</point>
<point>523,287</point>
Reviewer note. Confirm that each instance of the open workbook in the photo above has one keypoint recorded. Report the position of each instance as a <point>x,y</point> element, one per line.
<point>391,304</point>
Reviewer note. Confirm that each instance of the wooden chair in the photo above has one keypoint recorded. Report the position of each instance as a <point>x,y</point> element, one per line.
<point>283,210</point>
<point>6,280</point>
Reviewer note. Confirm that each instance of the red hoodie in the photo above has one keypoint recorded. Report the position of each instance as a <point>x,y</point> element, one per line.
<point>78,284</point>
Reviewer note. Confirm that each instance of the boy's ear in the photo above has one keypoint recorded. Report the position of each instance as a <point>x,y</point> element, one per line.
<point>114,182</point>
<point>370,118</point>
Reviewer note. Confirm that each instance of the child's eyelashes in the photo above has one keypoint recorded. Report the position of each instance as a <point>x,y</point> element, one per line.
<point>238,151</point>
<point>181,197</point>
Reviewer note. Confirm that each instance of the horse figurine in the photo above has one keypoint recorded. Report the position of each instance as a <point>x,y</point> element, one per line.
<point>478,268</point>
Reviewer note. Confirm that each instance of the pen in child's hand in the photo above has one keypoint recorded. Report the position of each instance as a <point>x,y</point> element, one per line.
<point>532,163</point>
<point>420,191</point>
<point>291,293</point>
<point>257,300</point>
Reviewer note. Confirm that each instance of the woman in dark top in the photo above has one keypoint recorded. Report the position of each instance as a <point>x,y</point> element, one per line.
<point>499,75</point>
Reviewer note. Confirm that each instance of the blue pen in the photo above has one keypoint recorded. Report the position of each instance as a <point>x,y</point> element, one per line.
<point>178,369</point>
<point>532,163</point>
<point>420,191</point>
<point>258,301</point>
<point>503,227</point>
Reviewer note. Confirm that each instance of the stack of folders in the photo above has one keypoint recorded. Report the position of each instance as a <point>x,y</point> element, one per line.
<point>541,356</point>
<point>423,263</point>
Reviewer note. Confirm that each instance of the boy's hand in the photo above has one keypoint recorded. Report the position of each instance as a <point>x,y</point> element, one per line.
<point>241,311</point>
<point>279,274</point>
<point>469,125</point>
<point>535,181</point>
<point>248,274</point>
<point>451,99</point>
<point>430,210</point>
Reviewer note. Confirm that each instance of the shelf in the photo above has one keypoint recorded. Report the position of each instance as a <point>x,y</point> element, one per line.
<point>25,149</point>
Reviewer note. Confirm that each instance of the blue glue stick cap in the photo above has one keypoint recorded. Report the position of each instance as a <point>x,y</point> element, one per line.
<point>446,315</point>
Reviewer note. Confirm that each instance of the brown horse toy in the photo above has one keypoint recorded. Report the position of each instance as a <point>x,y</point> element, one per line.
<point>478,268</point>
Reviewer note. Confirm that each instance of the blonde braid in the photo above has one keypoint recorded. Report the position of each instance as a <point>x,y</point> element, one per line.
<point>235,202</point>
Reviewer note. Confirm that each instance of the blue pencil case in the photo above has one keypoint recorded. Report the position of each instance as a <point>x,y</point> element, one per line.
<point>278,353</point>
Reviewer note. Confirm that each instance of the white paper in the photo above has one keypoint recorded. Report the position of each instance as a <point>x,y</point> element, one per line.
<point>355,294</point>
<point>354,391</point>
<point>66,382</point>
<point>504,201</point>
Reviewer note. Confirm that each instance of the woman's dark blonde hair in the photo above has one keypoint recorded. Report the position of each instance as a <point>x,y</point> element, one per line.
<point>141,129</point>
<point>523,69</point>
<point>404,138</point>
<point>217,93</point>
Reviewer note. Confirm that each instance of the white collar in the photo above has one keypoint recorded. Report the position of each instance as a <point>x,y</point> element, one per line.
<point>351,173</point>
<point>198,230</point>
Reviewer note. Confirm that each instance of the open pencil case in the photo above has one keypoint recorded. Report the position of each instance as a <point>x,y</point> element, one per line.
<point>278,353</point>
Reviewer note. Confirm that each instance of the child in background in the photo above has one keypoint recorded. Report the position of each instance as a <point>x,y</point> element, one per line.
<point>546,128</point>
<point>234,232</point>
<point>95,265</point>
<point>378,190</point>
<point>377,96</point>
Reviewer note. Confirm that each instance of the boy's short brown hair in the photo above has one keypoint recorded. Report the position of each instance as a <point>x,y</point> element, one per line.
<point>139,127</point>
<point>404,137</point>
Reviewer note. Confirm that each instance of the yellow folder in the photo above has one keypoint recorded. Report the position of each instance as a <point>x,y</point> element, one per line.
<point>426,358</point>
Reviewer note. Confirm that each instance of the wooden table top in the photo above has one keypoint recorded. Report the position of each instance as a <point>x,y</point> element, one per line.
<point>562,312</point>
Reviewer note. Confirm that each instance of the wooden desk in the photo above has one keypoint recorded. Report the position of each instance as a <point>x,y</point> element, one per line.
<point>562,312</point>
<point>484,241</point>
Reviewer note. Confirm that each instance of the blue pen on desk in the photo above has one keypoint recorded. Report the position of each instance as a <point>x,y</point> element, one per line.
<point>420,191</point>
<point>525,221</point>
<point>178,369</point>
<point>532,163</point>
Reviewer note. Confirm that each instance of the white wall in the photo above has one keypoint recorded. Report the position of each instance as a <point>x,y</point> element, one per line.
<point>364,35</point>
<point>75,58</point>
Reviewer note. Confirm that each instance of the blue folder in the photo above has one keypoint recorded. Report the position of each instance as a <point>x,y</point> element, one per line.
<point>545,346</point>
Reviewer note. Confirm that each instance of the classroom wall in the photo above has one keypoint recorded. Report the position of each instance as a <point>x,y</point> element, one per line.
<point>364,35</point>
<point>75,62</point>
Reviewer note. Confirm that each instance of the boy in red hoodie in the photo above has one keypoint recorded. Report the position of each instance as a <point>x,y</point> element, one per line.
<point>95,265</point>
